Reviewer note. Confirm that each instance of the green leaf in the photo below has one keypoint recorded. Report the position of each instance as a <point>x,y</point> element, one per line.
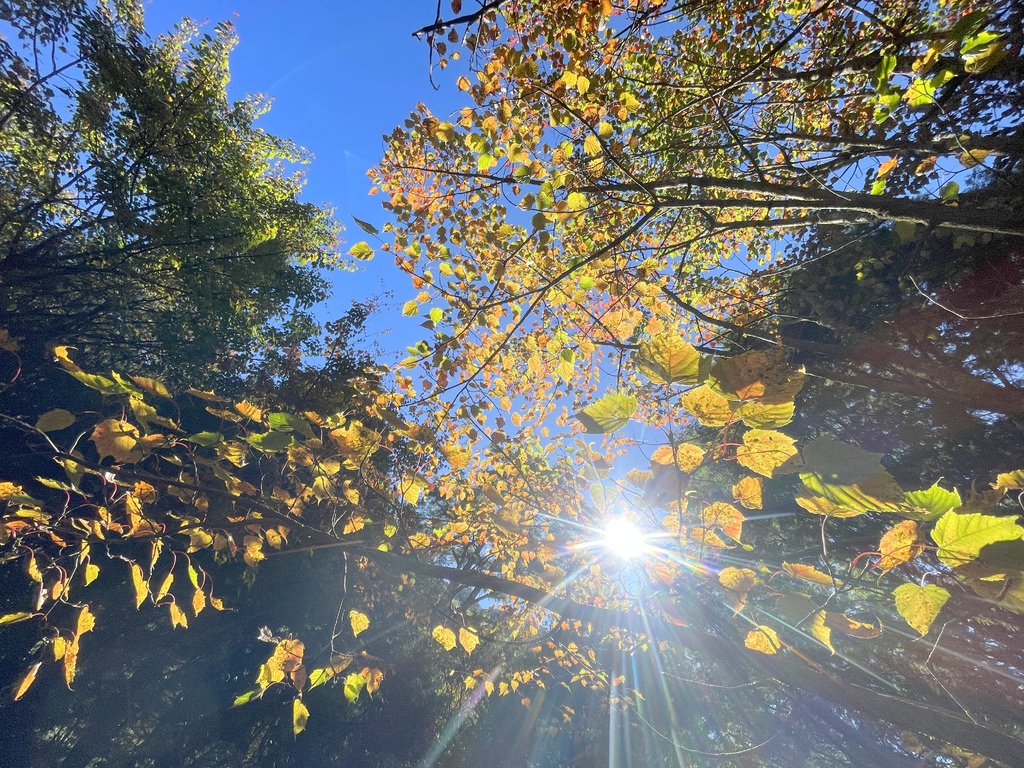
<point>930,504</point>
<point>354,684</point>
<point>609,414</point>
<point>206,439</point>
<point>55,420</point>
<point>361,251</point>
<point>366,226</point>
<point>248,696</point>
<point>269,442</point>
<point>920,605</point>
<point>288,422</point>
<point>667,358</point>
<point>436,315</point>
<point>950,192</point>
<point>961,537</point>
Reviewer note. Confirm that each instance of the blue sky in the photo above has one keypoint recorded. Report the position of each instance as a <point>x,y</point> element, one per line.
<point>341,74</point>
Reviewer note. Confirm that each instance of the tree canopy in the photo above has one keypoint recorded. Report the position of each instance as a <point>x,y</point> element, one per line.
<point>714,430</point>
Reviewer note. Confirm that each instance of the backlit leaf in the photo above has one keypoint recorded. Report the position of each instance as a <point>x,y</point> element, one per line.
<point>1009,481</point>
<point>139,584</point>
<point>468,639</point>
<point>609,414</point>
<point>444,636</point>
<point>809,573</point>
<point>178,617</point>
<point>961,537</point>
<point>667,358</point>
<point>761,375</point>
<point>767,452</point>
<point>25,681</point>
<point>299,716</point>
<point>709,408</point>
<point>748,492</point>
<point>898,545</point>
<point>14,618</point>
<point>687,457</point>
<point>91,572</point>
<point>920,605</point>
<point>763,639</point>
<point>354,683</point>
<point>930,504</point>
<point>118,439</point>
<point>360,622</point>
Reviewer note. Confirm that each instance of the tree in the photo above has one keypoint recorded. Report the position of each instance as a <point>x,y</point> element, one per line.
<point>144,218</point>
<point>567,384</point>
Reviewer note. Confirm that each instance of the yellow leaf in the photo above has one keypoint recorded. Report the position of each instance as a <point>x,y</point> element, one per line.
<point>198,601</point>
<point>55,420</point>
<point>468,639</point>
<point>419,541</point>
<point>725,517</point>
<point>86,621</point>
<point>809,573</point>
<point>140,585</point>
<point>899,545</point>
<point>91,572</point>
<point>354,523</point>
<point>299,716</point>
<point>165,587</point>
<point>592,145</point>
<point>373,678</point>
<point>14,618</point>
<point>667,358</point>
<point>444,636</point>
<point>360,622</point>
<point>686,456</point>
<point>59,646</point>
<point>462,83</point>
<point>253,550</point>
<point>710,408</point>
<point>767,452</point>
<point>748,492</point>
<point>118,439</point>
<point>1010,481</point>
<point>920,605</point>
<point>763,639</point>
<point>249,410</point>
<point>178,617</point>
<point>26,680</point>
<point>71,661</point>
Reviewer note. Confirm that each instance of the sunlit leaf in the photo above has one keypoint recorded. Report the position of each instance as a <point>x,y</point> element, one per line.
<point>898,545</point>
<point>14,618</point>
<point>920,605</point>
<point>140,585</point>
<point>666,358</point>
<point>25,681</point>
<point>91,572</point>
<point>609,414</point>
<point>118,439</point>
<point>930,504</point>
<point>763,639</point>
<point>810,573</point>
<point>686,456</point>
<point>761,375</point>
<point>360,622</point>
<point>960,538</point>
<point>709,408</point>
<point>767,452</point>
<point>299,716</point>
<point>468,639</point>
<point>444,636</point>
<point>1008,481</point>
<point>178,617</point>
<point>354,684</point>
<point>748,492</point>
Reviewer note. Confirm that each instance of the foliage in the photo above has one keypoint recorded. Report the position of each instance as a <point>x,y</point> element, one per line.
<point>144,218</point>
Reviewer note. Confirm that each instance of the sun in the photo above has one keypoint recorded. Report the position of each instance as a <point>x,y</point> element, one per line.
<point>623,539</point>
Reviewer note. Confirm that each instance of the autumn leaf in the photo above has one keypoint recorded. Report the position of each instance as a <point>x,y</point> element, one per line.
<point>299,716</point>
<point>1010,481</point>
<point>178,617</point>
<point>763,639</point>
<point>709,407</point>
<point>767,452</point>
<point>467,639</point>
<point>14,618</point>
<point>666,358</point>
<point>140,585</point>
<point>444,636</point>
<point>810,573</point>
<point>354,684</point>
<point>117,439</point>
<point>360,622</point>
<point>609,414</point>
<point>920,605</point>
<point>25,681</point>
<point>686,456</point>
<point>930,504</point>
<point>748,492</point>
<point>898,545</point>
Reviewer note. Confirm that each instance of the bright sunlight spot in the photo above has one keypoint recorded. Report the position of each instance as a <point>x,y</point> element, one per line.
<point>623,539</point>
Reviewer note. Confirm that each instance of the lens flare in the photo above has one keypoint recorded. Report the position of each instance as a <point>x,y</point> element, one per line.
<point>624,540</point>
